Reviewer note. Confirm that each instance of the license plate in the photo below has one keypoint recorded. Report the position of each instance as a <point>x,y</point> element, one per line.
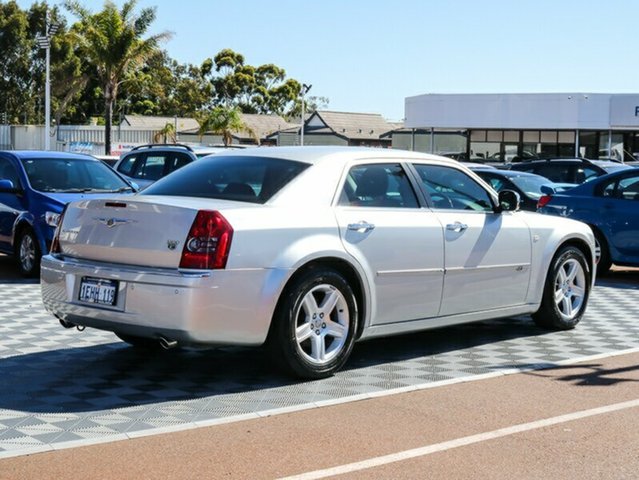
<point>98,290</point>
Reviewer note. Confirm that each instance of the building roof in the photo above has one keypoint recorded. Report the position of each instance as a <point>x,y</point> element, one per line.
<point>158,123</point>
<point>354,126</point>
<point>264,125</point>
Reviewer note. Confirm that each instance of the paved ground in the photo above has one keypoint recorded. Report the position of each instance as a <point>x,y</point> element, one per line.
<point>563,423</point>
<point>62,388</point>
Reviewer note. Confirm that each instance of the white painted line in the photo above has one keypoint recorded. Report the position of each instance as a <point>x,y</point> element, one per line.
<point>461,442</point>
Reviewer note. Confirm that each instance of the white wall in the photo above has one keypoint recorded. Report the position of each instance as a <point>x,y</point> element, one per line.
<point>514,111</point>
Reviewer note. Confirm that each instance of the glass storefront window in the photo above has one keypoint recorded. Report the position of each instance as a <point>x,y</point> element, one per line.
<point>611,146</point>
<point>485,151</point>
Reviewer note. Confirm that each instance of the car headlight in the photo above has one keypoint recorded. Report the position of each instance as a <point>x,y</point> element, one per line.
<point>52,219</point>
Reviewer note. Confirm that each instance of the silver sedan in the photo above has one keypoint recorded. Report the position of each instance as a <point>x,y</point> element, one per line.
<point>309,249</point>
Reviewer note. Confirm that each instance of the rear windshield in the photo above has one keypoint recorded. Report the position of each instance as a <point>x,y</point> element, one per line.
<point>244,179</point>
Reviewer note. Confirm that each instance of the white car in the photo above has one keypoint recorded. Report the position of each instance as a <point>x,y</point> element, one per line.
<point>310,249</point>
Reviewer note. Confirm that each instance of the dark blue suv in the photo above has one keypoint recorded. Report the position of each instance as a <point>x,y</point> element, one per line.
<point>34,188</point>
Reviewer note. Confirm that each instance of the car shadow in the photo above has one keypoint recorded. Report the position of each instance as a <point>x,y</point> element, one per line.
<point>626,278</point>
<point>114,375</point>
<point>595,374</point>
<point>10,274</point>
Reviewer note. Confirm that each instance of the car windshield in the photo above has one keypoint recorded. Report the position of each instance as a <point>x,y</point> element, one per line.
<point>72,175</point>
<point>530,184</point>
<point>244,179</point>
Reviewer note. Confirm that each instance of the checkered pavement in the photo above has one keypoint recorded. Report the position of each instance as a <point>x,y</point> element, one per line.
<point>59,387</point>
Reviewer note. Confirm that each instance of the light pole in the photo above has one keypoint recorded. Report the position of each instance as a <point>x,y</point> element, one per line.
<point>305,89</point>
<point>44,42</point>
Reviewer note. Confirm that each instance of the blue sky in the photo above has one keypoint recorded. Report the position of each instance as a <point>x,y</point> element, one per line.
<point>369,55</point>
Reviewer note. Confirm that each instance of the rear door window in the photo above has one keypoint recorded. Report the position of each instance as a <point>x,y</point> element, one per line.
<point>378,185</point>
<point>150,167</point>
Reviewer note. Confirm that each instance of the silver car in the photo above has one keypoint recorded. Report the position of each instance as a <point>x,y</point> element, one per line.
<point>309,249</point>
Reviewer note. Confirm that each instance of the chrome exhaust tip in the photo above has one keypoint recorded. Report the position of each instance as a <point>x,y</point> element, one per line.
<point>66,324</point>
<point>167,344</point>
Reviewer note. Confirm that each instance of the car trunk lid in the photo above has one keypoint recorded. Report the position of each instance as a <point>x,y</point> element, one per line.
<point>145,231</point>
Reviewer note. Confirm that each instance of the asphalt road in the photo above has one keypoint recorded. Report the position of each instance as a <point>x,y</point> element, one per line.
<point>573,421</point>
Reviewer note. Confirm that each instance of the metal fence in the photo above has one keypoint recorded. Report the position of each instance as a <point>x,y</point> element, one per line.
<point>5,137</point>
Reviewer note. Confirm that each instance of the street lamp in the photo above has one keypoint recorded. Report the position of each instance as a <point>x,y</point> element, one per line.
<point>44,41</point>
<point>305,89</point>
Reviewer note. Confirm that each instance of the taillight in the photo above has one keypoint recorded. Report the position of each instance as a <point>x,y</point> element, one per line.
<point>208,243</point>
<point>55,244</point>
<point>543,201</point>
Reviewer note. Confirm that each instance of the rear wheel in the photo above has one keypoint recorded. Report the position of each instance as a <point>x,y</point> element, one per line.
<point>315,324</point>
<point>28,253</point>
<point>602,254</point>
<point>566,291</point>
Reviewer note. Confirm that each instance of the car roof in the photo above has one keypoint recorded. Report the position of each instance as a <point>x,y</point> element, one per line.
<point>319,154</point>
<point>507,173</point>
<point>48,154</point>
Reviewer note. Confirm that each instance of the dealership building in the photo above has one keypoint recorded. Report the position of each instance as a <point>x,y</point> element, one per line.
<point>511,127</point>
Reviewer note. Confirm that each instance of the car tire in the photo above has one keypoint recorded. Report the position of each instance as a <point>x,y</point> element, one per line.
<point>603,253</point>
<point>314,324</point>
<point>566,291</point>
<point>141,343</point>
<point>28,253</point>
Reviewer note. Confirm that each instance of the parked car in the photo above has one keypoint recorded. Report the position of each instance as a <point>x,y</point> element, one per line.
<point>147,163</point>
<point>610,205</point>
<point>34,187</point>
<point>110,160</point>
<point>529,186</point>
<point>569,170</point>
<point>308,249</point>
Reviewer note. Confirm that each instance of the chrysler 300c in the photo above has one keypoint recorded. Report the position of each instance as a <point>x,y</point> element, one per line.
<point>309,249</point>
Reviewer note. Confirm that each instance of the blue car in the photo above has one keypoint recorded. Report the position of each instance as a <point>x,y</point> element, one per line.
<point>610,205</point>
<point>34,188</point>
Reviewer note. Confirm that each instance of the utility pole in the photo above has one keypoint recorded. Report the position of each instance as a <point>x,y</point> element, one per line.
<point>305,89</point>
<point>44,41</point>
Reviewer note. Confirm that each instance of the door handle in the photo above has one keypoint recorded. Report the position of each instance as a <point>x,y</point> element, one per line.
<point>361,227</point>
<point>456,227</point>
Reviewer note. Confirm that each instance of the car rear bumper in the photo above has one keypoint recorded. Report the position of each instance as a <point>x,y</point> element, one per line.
<point>221,307</point>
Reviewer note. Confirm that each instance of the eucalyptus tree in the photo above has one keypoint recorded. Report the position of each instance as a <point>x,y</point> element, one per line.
<point>263,89</point>
<point>112,44</point>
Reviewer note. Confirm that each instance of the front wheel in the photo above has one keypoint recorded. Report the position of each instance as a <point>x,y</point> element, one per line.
<point>566,291</point>
<point>28,254</point>
<point>315,324</point>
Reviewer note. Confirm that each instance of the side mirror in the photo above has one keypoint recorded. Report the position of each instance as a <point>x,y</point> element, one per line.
<point>508,201</point>
<point>7,186</point>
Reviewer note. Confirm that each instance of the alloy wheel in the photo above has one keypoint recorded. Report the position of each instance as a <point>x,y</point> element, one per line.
<point>27,253</point>
<point>322,324</point>
<point>570,288</point>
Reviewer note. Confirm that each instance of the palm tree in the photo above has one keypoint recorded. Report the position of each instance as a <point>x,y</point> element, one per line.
<point>223,121</point>
<point>168,132</point>
<point>112,44</point>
